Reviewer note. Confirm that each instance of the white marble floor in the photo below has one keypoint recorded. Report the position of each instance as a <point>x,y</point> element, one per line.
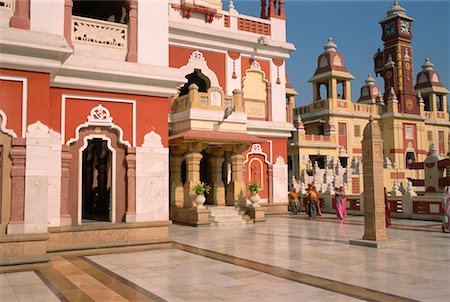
<point>416,268</point>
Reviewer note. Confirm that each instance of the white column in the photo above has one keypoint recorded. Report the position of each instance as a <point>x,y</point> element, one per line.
<point>54,179</point>
<point>278,92</point>
<point>153,32</point>
<point>280,180</point>
<point>152,180</point>
<point>36,179</point>
<point>47,16</point>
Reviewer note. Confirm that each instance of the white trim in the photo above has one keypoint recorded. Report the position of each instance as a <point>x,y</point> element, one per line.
<point>3,128</point>
<point>64,97</point>
<point>198,61</point>
<point>112,214</point>
<point>258,153</point>
<point>24,98</point>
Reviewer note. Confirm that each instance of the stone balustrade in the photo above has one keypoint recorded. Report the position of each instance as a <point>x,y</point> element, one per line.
<point>98,32</point>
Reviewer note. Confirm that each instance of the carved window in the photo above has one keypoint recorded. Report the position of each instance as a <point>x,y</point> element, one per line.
<point>255,94</point>
<point>430,136</point>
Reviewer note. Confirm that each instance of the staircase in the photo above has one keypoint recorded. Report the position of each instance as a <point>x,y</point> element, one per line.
<point>226,216</point>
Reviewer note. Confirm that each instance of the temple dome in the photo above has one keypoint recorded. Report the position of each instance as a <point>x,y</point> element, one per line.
<point>330,60</point>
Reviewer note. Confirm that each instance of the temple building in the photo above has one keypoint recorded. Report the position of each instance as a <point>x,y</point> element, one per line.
<point>112,111</point>
<point>326,147</point>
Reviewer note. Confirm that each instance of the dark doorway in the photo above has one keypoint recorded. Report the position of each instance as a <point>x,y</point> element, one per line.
<point>410,158</point>
<point>96,182</point>
<point>198,78</point>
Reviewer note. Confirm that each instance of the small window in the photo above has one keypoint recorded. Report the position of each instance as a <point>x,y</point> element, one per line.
<point>357,130</point>
<point>430,136</point>
<point>427,103</point>
<point>440,102</point>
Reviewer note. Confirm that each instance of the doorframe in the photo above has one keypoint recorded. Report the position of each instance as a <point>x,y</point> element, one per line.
<point>112,214</point>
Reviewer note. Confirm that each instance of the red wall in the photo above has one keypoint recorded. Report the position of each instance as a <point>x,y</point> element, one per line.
<point>151,113</point>
<point>179,57</point>
<point>38,92</point>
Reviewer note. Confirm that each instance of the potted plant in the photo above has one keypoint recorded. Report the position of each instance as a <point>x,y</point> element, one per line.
<point>199,191</point>
<point>254,189</point>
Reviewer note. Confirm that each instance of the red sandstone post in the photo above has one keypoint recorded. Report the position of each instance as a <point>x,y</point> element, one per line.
<point>66,158</point>
<point>18,158</point>
<point>374,219</point>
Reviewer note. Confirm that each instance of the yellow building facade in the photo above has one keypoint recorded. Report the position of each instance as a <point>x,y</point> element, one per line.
<point>411,116</point>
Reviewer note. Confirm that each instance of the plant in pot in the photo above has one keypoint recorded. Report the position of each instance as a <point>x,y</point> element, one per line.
<point>199,191</point>
<point>254,189</point>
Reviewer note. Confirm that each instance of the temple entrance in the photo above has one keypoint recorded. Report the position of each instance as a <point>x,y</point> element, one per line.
<point>96,181</point>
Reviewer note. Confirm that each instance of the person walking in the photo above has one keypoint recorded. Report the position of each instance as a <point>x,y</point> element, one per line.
<point>294,200</point>
<point>339,201</point>
<point>313,200</point>
<point>387,210</point>
<point>446,219</point>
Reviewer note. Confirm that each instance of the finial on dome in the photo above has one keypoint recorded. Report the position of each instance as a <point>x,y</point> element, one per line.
<point>369,80</point>
<point>392,95</point>
<point>330,46</point>
<point>396,9</point>
<point>231,4</point>
<point>427,65</point>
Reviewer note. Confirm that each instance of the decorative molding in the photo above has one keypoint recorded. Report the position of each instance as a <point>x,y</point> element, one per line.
<point>198,61</point>
<point>64,98</point>
<point>257,149</point>
<point>3,128</point>
<point>97,32</point>
<point>152,140</point>
<point>100,115</point>
<point>24,98</point>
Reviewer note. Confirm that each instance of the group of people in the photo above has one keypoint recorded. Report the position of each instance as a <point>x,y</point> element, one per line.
<point>312,202</point>
<point>312,205</point>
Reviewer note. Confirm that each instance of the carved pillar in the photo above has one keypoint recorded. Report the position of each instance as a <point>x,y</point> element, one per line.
<point>66,158</point>
<point>176,185</point>
<point>263,9</point>
<point>237,179</point>
<point>18,158</point>
<point>272,12</point>
<point>192,175</point>
<point>374,207</point>
<point>218,188</point>
<point>270,172</point>
<point>68,5</point>
<point>132,31</point>
<point>21,18</point>
<point>131,185</point>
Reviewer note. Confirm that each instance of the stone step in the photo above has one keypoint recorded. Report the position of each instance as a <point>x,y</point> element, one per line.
<point>226,216</point>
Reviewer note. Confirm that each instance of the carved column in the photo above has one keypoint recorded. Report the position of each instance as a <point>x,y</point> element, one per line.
<point>131,185</point>
<point>237,179</point>
<point>374,207</point>
<point>176,185</point>
<point>21,18</point>
<point>68,5</point>
<point>192,175</point>
<point>218,188</point>
<point>270,172</point>
<point>66,158</point>
<point>18,158</point>
<point>132,31</point>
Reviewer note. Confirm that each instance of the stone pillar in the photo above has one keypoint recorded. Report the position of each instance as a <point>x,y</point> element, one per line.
<point>217,186</point>
<point>21,18</point>
<point>66,158</point>
<point>176,186</point>
<point>237,180</point>
<point>18,158</point>
<point>132,31</point>
<point>374,216</point>
<point>68,5</point>
<point>192,175</point>
<point>131,185</point>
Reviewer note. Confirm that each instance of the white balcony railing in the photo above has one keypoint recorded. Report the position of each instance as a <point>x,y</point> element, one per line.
<point>98,32</point>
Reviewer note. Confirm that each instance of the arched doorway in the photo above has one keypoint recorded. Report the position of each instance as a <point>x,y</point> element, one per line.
<point>96,180</point>
<point>198,78</point>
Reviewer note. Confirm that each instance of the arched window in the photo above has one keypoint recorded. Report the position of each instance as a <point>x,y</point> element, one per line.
<point>198,78</point>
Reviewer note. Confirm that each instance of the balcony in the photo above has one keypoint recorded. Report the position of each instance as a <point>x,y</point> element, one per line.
<point>96,37</point>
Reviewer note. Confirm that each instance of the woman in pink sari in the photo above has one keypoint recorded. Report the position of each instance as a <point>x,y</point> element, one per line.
<point>339,201</point>
<point>446,221</point>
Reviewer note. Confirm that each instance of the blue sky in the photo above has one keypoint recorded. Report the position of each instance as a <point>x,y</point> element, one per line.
<point>354,27</point>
